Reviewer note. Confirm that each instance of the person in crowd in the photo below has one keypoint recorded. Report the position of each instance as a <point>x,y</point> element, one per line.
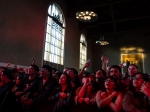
<point>145,88</point>
<point>6,85</point>
<point>109,100</point>
<point>63,95</point>
<point>85,99</point>
<point>134,100</point>
<point>54,70</point>
<point>89,76</point>
<point>17,82</point>
<point>14,73</point>
<point>132,69</point>
<point>57,75</point>
<point>100,78</point>
<point>73,73</point>
<point>28,86</point>
<point>65,70</point>
<point>87,64</point>
<point>115,71</point>
<point>46,85</point>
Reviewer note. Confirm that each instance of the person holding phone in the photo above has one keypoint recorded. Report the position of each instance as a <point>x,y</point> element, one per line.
<point>145,88</point>
<point>134,100</point>
<point>85,97</point>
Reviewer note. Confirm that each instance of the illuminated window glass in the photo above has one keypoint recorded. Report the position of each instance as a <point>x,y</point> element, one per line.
<point>54,40</point>
<point>83,51</point>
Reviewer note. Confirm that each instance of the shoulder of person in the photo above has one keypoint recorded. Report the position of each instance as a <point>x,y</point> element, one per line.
<point>99,92</point>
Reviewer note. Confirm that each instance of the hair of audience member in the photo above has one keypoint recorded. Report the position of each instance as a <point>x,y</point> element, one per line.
<point>48,68</point>
<point>148,76</point>
<point>68,80</point>
<point>20,78</point>
<point>134,65</point>
<point>75,72</point>
<point>14,70</point>
<point>8,73</point>
<point>85,74</point>
<point>94,85</point>
<point>3,67</point>
<point>36,68</point>
<point>116,66</point>
<point>103,71</point>
<point>90,75</point>
<point>58,73</point>
<point>66,68</point>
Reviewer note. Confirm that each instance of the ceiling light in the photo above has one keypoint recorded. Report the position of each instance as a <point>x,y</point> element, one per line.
<point>102,41</point>
<point>86,16</point>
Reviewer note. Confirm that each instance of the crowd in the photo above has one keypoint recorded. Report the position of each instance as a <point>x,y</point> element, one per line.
<point>46,89</point>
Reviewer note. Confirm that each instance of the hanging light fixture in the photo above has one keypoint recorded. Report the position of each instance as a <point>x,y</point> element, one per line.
<point>86,16</point>
<point>102,41</point>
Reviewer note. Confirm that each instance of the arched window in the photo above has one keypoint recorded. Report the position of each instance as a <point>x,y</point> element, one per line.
<point>54,40</point>
<point>83,51</point>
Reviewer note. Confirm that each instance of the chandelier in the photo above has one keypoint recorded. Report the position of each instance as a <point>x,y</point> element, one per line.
<point>86,16</point>
<point>102,41</point>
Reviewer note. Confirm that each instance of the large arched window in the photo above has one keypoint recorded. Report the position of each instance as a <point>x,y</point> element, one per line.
<point>83,51</point>
<point>54,40</point>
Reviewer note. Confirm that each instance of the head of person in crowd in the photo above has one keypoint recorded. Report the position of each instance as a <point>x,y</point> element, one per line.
<point>33,70</point>
<point>65,80</point>
<point>25,70</point>
<point>110,83</point>
<point>132,69</point>
<point>125,75</point>
<point>134,99</point>
<point>57,75</point>
<point>90,86</point>
<point>18,80</point>
<point>137,81</point>
<point>45,71</point>
<point>100,74</point>
<point>115,71</point>
<point>53,70</point>
<point>65,70</point>
<point>73,73</point>
<point>148,75</point>
<point>6,75</point>
<point>15,73</point>
<point>89,75</point>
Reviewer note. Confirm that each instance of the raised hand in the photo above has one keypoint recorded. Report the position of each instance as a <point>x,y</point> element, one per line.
<point>106,60</point>
<point>87,100</point>
<point>87,64</point>
<point>102,58</point>
<point>93,101</point>
<point>145,88</point>
<point>7,65</point>
<point>80,100</point>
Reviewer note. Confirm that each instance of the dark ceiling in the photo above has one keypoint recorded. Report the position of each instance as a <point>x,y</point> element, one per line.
<point>114,16</point>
